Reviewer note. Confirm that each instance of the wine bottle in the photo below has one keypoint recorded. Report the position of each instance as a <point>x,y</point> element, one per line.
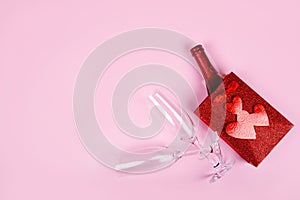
<point>211,76</point>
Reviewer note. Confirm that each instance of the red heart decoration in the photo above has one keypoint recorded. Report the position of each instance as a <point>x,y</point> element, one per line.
<point>236,106</point>
<point>233,85</point>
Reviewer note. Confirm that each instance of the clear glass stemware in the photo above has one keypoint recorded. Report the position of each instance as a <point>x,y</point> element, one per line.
<point>189,134</point>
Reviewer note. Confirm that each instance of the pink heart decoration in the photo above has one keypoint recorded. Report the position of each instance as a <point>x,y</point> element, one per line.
<point>244,127</point>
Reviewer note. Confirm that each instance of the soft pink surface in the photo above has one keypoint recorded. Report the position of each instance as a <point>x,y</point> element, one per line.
<point>42,47</point>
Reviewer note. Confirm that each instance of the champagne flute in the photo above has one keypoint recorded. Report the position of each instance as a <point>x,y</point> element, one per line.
<point>189,134</point>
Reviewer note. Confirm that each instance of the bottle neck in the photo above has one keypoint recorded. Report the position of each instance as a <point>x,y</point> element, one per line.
<point>209,73</point>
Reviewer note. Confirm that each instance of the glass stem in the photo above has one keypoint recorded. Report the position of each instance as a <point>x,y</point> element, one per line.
<point>215,157</point>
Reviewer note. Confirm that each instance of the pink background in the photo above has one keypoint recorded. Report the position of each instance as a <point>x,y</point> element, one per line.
<point>42,47</point>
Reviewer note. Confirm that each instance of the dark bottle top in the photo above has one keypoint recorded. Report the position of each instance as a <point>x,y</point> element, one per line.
<point>211,76</point>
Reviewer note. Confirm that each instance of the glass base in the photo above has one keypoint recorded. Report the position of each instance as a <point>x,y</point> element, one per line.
<point>221,170</point>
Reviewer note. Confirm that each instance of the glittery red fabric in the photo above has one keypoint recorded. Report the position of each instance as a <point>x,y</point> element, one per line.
<point>267,137</point>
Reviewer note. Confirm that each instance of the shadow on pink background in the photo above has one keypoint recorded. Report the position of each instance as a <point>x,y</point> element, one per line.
<point>42,47</point>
